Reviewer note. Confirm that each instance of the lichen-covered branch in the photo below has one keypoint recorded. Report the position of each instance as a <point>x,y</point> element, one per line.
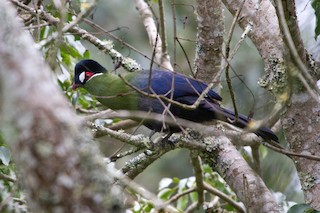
<point>267,37</point>
<point>228,162</point>
<point>209,40</point>
<point>300,117</point>
<point>60,169</point>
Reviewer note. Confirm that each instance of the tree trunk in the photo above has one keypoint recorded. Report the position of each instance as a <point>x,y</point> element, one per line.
<point>301,124</point>
<point>60,168</point>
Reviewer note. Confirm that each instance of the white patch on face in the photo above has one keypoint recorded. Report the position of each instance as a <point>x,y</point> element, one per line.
<point>82,77</point>
<point>94,76</point>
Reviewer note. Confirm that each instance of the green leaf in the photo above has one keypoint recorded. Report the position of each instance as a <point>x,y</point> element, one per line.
<point>182,203</point>
<point>194,196</point>
<point>207,168</point>
<point>175,180</point>
<point>5,155</point>
<point>65,58</point>
<point>84,103</point>
<point>263,152</point>
<point>302,208</point>
<point>147,208</point>
<point>77,38</point>
<point>316,6</point>
<point>1,139</point>
<point>74,52</point>
<point>86,54</point>
<point>69,16</point>
<point>166,193</point>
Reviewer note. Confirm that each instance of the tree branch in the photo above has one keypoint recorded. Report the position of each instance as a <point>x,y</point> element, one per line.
<point>209,39</point>
<point>240,177</point>
<point>224,197</point>
<point>104,46</point>
<point>161,57</point>
<point>196,162</point>
<point>53,154</point>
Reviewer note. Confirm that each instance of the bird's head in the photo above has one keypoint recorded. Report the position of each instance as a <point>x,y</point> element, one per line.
<point>85,70</point>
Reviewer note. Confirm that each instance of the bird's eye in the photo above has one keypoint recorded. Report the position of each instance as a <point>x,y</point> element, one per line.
<point>85,76</point>
<point>82,77</point>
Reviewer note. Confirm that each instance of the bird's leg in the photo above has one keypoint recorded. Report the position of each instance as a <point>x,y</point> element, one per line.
<point>165,141</point>
<point>166,138</point>
<point>151,134</point>
<point>162,142</point>
<point>155,141</point>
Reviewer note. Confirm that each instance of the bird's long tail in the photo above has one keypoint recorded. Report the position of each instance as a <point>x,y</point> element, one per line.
<point>242,122</point>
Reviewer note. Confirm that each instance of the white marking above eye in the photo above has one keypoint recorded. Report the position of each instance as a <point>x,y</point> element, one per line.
<point>95,75</point>
<point>82,77</point>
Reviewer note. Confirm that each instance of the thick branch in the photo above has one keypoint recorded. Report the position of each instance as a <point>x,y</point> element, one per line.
<point>209,39</point>
<point>267,37</point>
<point>58,165</point>
<point>248,185</point>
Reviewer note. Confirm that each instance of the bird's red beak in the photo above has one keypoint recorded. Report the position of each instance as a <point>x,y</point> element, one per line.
<point>75,86</point>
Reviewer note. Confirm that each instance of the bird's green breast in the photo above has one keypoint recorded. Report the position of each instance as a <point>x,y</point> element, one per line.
<point>113,92</point>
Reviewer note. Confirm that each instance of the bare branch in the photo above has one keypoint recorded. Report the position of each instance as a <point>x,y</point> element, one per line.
<point>161,57</point>
<point>224,197</point>
<point>183,193</point>
<point>230,88</point>
<point>80,17</point>
<point>196,162</point>
<point>7,177</point>
<point>159,204</point>
<point>303,75</point>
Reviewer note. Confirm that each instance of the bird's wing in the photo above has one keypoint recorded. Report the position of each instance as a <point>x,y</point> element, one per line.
<point>164,82</point>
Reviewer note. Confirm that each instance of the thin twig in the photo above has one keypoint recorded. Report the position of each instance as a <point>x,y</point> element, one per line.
<point>176,103</point>
<point>108,33</point>
<point>309,83</point>
<point>105,46</point>
<point>147,18</point>
<point>229,37</point>
<point>186,56</point>
<point>7,177</point>
<point>177,196</point>
<point>196,163</point>
<point>159,204</point>
<point>80,17</point>
<point>174,18</point>
<point>163,29</point>
<point>224,197</point>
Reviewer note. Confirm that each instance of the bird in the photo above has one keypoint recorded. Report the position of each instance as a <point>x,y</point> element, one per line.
<point>135,91</point>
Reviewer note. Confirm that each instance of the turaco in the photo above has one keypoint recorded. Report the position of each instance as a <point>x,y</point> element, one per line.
<point>121,94</point>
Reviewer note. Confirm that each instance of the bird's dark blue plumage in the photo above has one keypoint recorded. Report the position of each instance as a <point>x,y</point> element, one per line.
<point>179,87</point>
<point>161,83</point>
